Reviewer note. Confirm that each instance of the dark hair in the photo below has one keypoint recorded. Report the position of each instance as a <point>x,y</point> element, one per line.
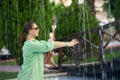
<point>25,31</point>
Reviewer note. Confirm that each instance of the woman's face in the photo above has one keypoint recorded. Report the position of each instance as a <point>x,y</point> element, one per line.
<point>34,30</point>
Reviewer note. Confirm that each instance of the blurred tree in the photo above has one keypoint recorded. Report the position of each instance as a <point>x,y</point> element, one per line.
<point>14,13</point>
<point>77,17</point>
<point>112,8</point>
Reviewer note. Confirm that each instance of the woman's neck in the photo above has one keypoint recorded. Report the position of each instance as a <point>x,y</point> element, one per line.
<point>29,37</point>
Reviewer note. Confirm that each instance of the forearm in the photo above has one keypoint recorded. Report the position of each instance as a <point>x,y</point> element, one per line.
<point>59,44</point>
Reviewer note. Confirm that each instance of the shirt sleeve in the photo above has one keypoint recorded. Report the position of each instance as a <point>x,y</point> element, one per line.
<point>42,46</point>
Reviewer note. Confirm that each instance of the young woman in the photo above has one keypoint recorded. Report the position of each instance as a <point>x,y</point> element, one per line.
<point>33,58</point>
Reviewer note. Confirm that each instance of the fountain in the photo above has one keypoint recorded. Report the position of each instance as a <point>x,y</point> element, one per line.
<point>95,70</point>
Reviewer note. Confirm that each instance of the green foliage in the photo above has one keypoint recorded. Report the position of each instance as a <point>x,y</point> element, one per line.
<point>73,19</point>
<point>8,75</point>
<point>14,14</point>
<point>1,33</point>
<point>113,6</point>
<point>116,12</point>
<point>8,63</point>
<point>112,56</point>
<point>108,57</point>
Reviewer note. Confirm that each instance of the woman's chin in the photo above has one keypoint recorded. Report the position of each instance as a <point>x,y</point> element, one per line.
<point>36,36</point>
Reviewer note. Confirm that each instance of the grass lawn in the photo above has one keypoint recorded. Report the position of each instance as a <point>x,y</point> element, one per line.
<point>108,57</point>
<point>8,75</point>
<point>13,63</point>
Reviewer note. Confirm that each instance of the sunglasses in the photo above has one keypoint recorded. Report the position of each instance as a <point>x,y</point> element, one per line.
<point>34,28</point>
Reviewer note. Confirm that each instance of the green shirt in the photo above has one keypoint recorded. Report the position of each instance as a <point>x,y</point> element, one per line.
<point>33,59</point>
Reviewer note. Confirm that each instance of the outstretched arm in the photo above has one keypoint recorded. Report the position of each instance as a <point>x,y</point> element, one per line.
<point>59,44</point>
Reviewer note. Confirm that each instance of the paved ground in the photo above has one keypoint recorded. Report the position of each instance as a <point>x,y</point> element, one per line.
<point>9,68</point>
<point>50,75</point>
<point>113,44</point>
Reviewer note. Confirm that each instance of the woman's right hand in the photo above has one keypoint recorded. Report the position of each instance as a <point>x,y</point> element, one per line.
<point>72,43</point>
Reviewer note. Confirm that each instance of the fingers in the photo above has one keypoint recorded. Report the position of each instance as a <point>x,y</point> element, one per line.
<point>75,40</point>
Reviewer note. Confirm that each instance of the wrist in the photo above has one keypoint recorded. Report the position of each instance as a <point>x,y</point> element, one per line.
<point>66,44</point>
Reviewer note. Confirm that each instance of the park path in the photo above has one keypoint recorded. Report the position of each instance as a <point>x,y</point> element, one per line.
<point>8,68</point>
